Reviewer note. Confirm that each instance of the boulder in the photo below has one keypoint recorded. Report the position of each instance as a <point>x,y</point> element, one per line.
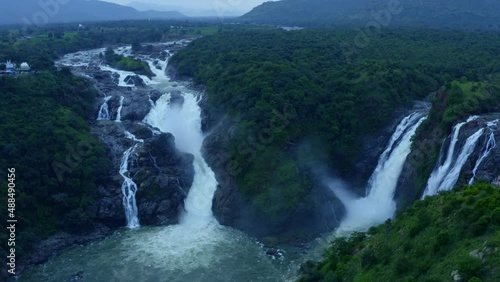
<point>163,176</point>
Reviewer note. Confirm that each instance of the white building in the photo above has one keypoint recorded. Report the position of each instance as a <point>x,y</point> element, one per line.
<point>10,65</point>
<point>25,66</point>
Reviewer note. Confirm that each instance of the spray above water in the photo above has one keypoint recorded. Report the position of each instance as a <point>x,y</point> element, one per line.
<point>378,205</point>
<point>184,122</point>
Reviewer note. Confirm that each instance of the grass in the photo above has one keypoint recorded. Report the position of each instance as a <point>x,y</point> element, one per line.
<point>426,242</point>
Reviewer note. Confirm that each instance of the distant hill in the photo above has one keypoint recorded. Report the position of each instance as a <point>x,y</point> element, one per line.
<point>24,11</point>
<point>484,14</point>
<point>142,6</point>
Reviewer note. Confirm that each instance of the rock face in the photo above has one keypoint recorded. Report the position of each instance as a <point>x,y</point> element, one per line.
<point>426,152</point>
<point>163,176</point>
<point>162,173</point>
<point>231,208</point>
<point>374,145</point>
<point>134,80</point>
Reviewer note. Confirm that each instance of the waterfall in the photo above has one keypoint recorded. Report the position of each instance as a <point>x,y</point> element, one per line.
<point>184,122</point>
<point>160,73</point>
<point>119,112</point>
<point>379,205</point>
<point>488,146</point>
<point>400,129</point>
<point>129,188</point>
<point>445,176</point>
<point>104,110</point>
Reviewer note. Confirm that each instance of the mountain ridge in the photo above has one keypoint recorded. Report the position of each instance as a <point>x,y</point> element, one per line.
<point>481,14</point>
<point>58,11</point>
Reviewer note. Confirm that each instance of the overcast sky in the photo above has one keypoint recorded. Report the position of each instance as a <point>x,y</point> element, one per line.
<point>242,5</point>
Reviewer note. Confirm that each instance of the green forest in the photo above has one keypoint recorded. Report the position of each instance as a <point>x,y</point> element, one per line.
<point>44,135</point>
<point>453,232</point>
<point>334,94</point>
<point>44,132</point>
<point>298,100</point>
<point>126,63</point>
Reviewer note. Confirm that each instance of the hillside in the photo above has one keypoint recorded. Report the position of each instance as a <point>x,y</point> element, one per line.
<point>317,105</point>
<point>481,14</point>
<point>24,11</point>
<point>454,233</point>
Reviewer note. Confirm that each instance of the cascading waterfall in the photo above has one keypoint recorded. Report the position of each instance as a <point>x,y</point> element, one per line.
<point>197,249</point>
<point>129,188</point>
<point>379,204</point>
<point>119,111</point>
<point>400,129</point>
<point>104,110</point>
<point>184,122</point>
<point>161,71</point>
<point>445,176</point>
<point>489,145</point>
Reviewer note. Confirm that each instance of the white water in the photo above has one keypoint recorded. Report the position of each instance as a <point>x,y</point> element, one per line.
<point>160,73</point>
<point>129,188</point>
<point>379,205</point>
<point>445,176</point>
<point>197,250</point>
<point>119,111</point>
<point>184,122</point>
<point>400,129</point>
<point>81,59</point>
<point>489,145</point>
<point>123,75</point>
<point>104,110</point>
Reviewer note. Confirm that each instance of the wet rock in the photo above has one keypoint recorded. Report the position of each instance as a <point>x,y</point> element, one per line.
<point>163,176</point>
<point>155,95</point>
<point>141,131</point>
<point>176,98</point>
<point>134,80</point>
<point>136,106</point>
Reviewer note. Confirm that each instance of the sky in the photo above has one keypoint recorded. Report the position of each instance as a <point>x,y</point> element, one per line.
<point>241,5</point>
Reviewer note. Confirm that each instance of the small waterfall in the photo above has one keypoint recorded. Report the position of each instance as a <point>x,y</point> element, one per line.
<point>488,146</point>
<point>129,188</point>
<point>379,205</point>
<point>119,112</point>
<point>160,73</point>
<point>104,110</point>
<point>445,176</point>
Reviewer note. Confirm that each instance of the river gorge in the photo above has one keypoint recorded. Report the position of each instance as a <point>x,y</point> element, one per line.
<point>159,200</point>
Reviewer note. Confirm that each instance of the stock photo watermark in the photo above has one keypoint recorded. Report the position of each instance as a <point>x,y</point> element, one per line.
<point>48,10</point>
<point>11,220</point>
<point>222,7</point>
<point>380,18</point>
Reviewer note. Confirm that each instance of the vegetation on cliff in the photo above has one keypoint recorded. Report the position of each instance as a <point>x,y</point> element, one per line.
<point>465,14</point>
<point>432,240</point>
<point>58,162</point>
<point>43,125</point>
<point>304,96</point>
<point>454,102</point>
<point>127,63</point>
